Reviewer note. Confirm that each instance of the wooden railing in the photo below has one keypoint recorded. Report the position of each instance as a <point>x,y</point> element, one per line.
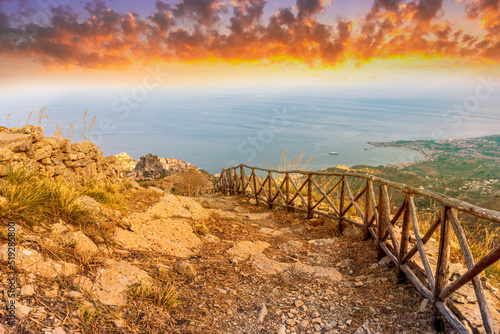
<point>351,198</point>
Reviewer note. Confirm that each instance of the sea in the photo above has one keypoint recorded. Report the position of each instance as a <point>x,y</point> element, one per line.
<point>216,128</point>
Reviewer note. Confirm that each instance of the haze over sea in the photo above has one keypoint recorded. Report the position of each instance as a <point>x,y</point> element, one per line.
<point>220,127</point>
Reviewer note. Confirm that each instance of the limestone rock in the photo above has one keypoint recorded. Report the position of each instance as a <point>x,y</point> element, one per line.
<point>178,206</point>
<point>33,262</point>
<point>262,313</point>
<point>113,280</point>
<point>27,291</point>
<point>84,246</point>
<point>365,329</point>
<point>59,228</point>
<point>245,249</point>
<point>59,330</point>
<point>22,311</point>
<point>184,268</point>
<point>169,236</point>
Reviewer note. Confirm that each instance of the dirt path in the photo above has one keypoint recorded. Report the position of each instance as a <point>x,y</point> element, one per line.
<point>273,272</point>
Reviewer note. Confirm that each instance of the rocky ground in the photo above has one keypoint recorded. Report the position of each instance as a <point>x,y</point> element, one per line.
<point>237,268</point>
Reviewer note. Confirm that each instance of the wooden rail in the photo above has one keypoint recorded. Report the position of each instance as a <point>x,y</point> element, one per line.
<point>351,198</point>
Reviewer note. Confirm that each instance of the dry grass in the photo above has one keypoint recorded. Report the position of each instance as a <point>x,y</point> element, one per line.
<point>164,296</point>
<point>36,200</point>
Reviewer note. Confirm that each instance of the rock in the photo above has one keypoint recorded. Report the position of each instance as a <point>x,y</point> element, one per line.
<point>113,280</point>
<point>89,203</point>
<point>59,228</point>
<point>330,273</point>
<point>178,207</point>
<point>298,303</point>
<point>423,305</point>
<point>282,329</point>
<point>118,324</point>
<point>73,295</point>
<point>365,329</point>
<point>210,238</point>
<point>167,236</point>
<point>323,242</point>
<point>59,330</point>
<point>184,268</point>
<point>22,311</point>
<point>245,249</point>
<point>84,246</point>
<point>27,291</point>
<point>33,262</point>
<point>384,261</point>
<point>262,313</point>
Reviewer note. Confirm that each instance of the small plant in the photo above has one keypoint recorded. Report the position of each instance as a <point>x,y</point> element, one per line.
<point>200,229</point>
<point>163,296</point>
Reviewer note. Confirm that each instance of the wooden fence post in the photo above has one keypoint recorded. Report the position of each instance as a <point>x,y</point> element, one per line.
<point>382,228</point>
<point>405,239</point>
<point>242,179</point>
<point>368,210</point>
<point>309,196</point>
<point>269,187</point>
<point>255,186</point>
<point>443,266</point>
<point>341,204</point>
<point>287,190</point>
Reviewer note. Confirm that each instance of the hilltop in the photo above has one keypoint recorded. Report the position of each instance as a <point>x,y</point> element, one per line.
<point>98,253</point>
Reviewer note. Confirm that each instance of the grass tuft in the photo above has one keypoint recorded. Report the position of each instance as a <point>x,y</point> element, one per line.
<point>34,199</point>
<point>162,296</point>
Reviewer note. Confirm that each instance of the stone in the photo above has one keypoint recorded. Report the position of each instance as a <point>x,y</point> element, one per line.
<point>298,303</point>
<point>113,280</point>
<point>423,305</point>
<point>84,246</point>
<point>184,268</point>
<point>22,311</point>
<point>282,329</point>
<point>118,324</point>
<point>33,262</point>
<point>210,238</point>
<point>178,207</point>
<point>59,228</point>
<point>167,236</point>
<point>262,313</point>
<point>73,295</point>
<point>245,249</point>
<point>323,242</point>
<point>384,261</point>
<point>27,291</point>
<point>59,330</point>
<point>364,329</point>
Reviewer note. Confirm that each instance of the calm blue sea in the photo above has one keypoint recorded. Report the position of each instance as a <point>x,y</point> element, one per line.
<point>216,128</point>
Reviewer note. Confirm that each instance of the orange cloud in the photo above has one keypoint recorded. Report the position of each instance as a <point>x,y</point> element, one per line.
<point>192,30</point>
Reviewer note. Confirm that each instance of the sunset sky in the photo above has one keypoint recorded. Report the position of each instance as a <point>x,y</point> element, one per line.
<point>94,44</point>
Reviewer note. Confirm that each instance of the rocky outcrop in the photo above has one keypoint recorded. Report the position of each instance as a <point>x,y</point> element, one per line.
<point>54,156</point>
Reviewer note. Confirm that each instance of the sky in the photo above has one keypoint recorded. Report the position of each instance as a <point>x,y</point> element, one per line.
<point>45,44</point>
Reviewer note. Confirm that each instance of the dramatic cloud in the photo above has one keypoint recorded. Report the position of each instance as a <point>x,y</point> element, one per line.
<point>242,31</point>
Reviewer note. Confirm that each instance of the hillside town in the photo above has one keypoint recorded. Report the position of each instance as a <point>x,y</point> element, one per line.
<point>151,166</point>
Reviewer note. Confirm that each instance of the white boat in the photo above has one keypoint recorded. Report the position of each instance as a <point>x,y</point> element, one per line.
<point>333,153</point>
